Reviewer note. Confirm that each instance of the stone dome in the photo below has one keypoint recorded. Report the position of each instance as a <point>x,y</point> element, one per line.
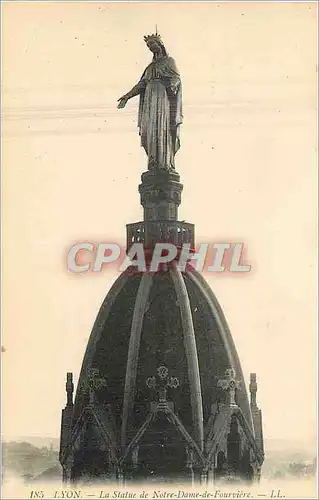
<point>167,319</point>
<point>161,394</point>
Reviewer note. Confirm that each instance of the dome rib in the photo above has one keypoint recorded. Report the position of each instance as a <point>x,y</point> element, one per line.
<point>228,341</point>
<point>191,352</point>
<point>99,325</point>
<point>134,347</point>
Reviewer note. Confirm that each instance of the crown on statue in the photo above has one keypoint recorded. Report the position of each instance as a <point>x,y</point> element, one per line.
<point>155,36</point>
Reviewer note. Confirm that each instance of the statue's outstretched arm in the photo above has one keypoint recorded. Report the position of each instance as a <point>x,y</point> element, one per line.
<point>136,90</point>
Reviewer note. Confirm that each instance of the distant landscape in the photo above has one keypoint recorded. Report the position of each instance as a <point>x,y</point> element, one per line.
<point>28,458</point>
<point>33,458</point>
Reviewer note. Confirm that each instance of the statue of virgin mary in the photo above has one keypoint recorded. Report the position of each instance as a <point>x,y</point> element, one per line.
<point>160,108</point>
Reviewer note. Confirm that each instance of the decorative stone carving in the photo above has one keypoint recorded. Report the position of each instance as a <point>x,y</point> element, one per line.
<point>161,382</point>
<point>229,384</point>
<point>94,383</point>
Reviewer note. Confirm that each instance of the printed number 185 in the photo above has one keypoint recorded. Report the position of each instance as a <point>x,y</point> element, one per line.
<point>36,494</point>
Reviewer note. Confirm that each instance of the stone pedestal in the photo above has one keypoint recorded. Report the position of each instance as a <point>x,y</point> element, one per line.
<point>160,193</point>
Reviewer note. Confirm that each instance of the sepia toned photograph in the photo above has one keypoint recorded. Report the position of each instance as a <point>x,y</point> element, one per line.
<point>159,249</point>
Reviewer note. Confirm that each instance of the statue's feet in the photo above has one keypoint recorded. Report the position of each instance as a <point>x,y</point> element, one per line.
<point>154,165</point>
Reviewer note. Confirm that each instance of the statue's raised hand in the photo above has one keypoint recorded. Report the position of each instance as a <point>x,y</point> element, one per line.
<point>122,102</point>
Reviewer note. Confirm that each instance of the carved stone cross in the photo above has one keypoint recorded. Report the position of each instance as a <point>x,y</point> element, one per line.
<point>229,384</point>
<point>94,382</point>
<point>162,381</point>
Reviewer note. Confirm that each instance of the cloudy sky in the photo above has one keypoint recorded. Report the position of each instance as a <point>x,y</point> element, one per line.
<point>72,163</point>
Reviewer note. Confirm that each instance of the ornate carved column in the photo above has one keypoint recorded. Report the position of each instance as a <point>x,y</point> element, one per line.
<point>256,412</point>
<point>203,477</point>
<point>66,429</point>
<point>67,471</point>
<point>160,192</point>
<point>189,464</point>
<point>120,476</point>
<point>135,457</point>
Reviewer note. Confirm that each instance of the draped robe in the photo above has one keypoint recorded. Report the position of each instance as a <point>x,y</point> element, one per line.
<point>160,112</point>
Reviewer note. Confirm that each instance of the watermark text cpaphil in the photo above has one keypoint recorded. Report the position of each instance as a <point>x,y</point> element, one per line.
<point>215,258</point>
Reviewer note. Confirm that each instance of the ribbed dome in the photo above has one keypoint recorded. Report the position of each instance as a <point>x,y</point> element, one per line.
<point>169,319</point>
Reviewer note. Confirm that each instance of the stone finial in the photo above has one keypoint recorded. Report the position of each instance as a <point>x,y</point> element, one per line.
<point>229,384</point>
<point>253,389</point>
<point>69,387</point>
<point>161,382</point>
<point>94,382</point>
